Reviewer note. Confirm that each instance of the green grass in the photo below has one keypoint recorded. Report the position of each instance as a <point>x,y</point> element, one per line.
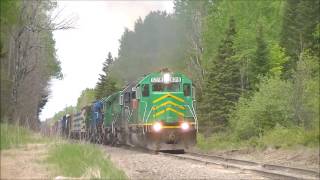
<point>82,160</point>
<point>288,137</point>
<point>219,141</point>
<point>279,137</point>
<point>14,136</point>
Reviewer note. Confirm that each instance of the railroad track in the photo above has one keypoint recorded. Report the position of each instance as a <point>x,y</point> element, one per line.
<point>267,170</point>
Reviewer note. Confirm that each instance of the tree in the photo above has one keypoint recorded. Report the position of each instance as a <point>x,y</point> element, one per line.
<point>87,96</point>
<point>305,98</point>
<point>67,110</point>
<point>28,59</point>
<point>260,64</point>
<point>155,43</point>
<point>278,58</point>
<point>222,84</point>
<point>190,16</point>
<point>300,20</point>
<point>248,15</point>
<point>106,84</point>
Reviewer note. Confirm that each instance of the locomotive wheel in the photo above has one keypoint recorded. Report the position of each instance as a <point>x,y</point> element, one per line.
<point>108,137</point>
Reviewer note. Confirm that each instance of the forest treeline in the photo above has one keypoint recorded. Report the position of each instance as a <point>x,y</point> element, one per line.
<point>28,59</point>
<point>255,64</point>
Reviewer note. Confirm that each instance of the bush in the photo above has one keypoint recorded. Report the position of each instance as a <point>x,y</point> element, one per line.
<point>278,137</point>
<point>288,137</point>
<point>267,107</point>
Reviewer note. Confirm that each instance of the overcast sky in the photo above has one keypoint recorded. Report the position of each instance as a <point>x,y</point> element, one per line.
<point>82,50</point>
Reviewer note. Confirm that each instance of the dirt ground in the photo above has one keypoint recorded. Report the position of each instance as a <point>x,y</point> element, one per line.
<point>300,157</point>
<point>24,163</point>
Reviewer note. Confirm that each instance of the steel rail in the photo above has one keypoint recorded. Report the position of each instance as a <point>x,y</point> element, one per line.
<point>268,170</point>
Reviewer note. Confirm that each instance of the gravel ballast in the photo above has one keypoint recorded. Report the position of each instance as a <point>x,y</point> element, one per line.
<point>141,165</point>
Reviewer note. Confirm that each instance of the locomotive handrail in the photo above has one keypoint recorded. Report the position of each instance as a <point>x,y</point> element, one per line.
<point>194,115</point>
<point>145,109</point>
<point>150,111</point>
<point>144,113</point>
<point>193,112</point>
<point>130,113</point>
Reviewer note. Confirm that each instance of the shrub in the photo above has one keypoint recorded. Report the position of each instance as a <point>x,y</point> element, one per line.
<point>267,107</point>
<point>287,137</point>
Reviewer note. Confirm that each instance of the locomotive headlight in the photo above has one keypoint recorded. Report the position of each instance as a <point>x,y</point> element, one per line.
<point>166,78</point>
<point>185,126</point>
<point>157,126</point>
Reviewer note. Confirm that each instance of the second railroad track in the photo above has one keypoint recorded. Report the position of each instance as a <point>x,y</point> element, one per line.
<point>267,170</point>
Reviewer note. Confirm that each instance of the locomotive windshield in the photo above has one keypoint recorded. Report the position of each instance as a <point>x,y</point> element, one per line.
<point>162,87</point>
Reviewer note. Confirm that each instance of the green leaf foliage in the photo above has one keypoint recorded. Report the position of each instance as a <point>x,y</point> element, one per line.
<point>300,20</point>
<point>277,59</point>
<point>288,103</point>
<point>67,110</point>
<point>266,108</point>
<point>260,64</point>
<point>28,59</point>
<point>87,97</point>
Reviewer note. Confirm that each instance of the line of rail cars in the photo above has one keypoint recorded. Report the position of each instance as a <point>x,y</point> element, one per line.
<point>156,112</point>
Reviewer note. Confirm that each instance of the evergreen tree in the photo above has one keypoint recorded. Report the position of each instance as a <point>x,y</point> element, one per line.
<point>260,65</point>
<point>299,22</point>
<point>106,84</point>
<point>222,85</point>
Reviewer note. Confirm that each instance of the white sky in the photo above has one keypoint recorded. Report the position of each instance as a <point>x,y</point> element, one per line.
<point>82,50</point>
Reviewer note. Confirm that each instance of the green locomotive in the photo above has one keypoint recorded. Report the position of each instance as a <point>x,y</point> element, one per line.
<point>156,112</point>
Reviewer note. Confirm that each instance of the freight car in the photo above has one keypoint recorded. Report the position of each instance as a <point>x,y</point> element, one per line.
<point>78,126</point>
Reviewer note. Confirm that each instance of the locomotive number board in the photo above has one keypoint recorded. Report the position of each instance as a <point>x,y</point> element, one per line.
<point>160,79</point>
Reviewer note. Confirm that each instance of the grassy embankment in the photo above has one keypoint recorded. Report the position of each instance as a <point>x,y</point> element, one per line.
<point>276,138</point>
<point>75,160</point>
<point>82,160</point>
<point>13,136</point>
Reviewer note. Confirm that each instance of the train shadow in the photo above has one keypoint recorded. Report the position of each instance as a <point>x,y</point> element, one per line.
<point>180,151</point>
